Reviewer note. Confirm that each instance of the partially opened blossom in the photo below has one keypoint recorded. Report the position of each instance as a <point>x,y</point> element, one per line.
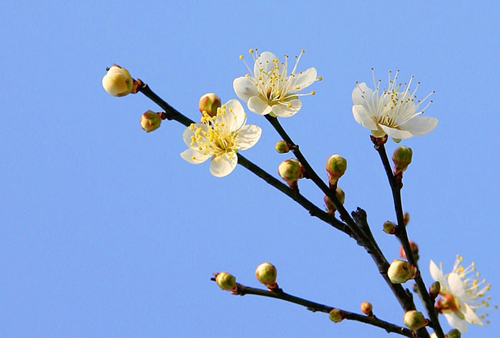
<point>394,111</point>
<point>269,88</point>
<point>461,294</point>
<point>220,137</point>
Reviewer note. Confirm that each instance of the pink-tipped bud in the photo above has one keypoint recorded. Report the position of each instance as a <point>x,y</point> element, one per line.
<point>414,320</point>
<point>414,250</point>
<point>226,281</point>
<point>400,271</point>
<point>290,170</point>
<point>209,103</point>
<point>266,273</point>
<point>366,308</point>
<point>336,166</point>
<point>402,158</point>
<point>150,121</point>
<point>117,81</point>
<point>282,147</point>
<point>336,315</point>
<point>329,204</point>
<point>389,227</point>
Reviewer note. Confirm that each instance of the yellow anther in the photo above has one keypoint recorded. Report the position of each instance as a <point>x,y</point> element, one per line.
<point>320,78</point>
<point>250,51</point>
<point>313,92</point>
<point>241,57</point>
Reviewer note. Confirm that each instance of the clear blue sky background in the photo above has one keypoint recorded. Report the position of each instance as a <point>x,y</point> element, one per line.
<point>106,232</point>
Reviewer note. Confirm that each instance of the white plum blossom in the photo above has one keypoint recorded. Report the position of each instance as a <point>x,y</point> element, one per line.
<point>270,89</point>
<point>220,137</point>
<point>391,111</point>
<point>461,294</point>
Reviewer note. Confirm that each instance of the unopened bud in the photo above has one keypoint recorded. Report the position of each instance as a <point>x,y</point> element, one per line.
<point>150,121</point>
<point>336,315</point>
<point>455,333</point>
<point>336,166</point>
<point>434,289</point>
<point>117,81</point>
<point>282,147</point>
<point>226,281</point>
<point>328,202</point>
<point>402,158</point>
<point>209,103</point>
<point>414,319</point>
<point>400,271</point>
<point>366,308</point>
<point>406,218</point>
<point>290,170</point>
<point>414,250</point>
<point>389,227</point>
<point>266,273</point>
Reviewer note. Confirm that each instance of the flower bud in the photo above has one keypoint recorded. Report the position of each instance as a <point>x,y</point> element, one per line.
<point>209,103</point>
<point>366,308</point>
<point>389,227</point>
<point>329,204</point>
<point>266,273</point>
<point>336,166</point>
<point>406,218</point>
<point>150,121</point>
<point>290,170</point>
<point>414,250</point>
<point>402,158</point>
<point>455,333</point>
<point>400,271</point>
<point>226,281</point>
<point>414,320</point>
<point>117,81</point>
<point>282,147</point>
<point>434,289</point>
<point>336,315</point>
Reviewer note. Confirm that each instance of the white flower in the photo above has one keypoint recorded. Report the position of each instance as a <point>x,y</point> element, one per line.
<point>220,137</point>
<point>461,293</point>
<point>390,111</point>
<point>269,88</point>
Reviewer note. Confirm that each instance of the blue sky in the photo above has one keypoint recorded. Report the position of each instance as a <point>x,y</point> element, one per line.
<point>106,232</point>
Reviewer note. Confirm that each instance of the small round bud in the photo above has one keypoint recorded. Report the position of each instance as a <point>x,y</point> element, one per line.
<point>414,320</point>
<point>150,121</point>
<point>455,333</point>
<point>329,204</point>
<point>414,250</point>
<point>209,103</point>
<point>389,227</point>
<point>282,147</point>
<point>366,308</point>
<point>400,271</point>
<point>336,315</point>
<point>402,158</point>
<point>117,81</point>
<point>336,166</point>
<point>434,289</point>
<point>225,281</point>
<point>406,218</point>
<point>290,170</point>
<point>266,273</point>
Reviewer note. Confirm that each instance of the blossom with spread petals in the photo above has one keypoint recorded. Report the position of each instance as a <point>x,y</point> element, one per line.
<point>391,111</point>
<point>270,89</point>
<point>220,137</point>
<point>461,293</point>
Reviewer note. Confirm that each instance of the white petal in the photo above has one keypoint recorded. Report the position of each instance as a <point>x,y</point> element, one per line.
<point>237,109</point>
<point>221,166</point>
<point>303,79</point>
<point>283,109</point>
<point>456,285</point>
<point>361,93</point>
<point>186,135</point>
<point>456,322</point>
<point>396,133</point>
<point>194,156</point>
<point>420,125</point>
<point>363,117</point>
<point>258,106</point>
<point>244,88</point>
<point>264,62</point>
<point>247,136</point>
<point>470,315</point>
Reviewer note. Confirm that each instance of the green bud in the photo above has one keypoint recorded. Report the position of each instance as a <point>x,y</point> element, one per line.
<point>209,103</point>
<point>455,333</point>
<point>329,204</point>
<point>290,170</point>
<point>282,147</point>
<point>336,166</point>
<point>434,289</point>
<point>400,271</point>
<point>414,320</point>
<point>226,281</point>
<point>117,81</point>
<point>402,158</point>
<point>266,273</point>
<point>336,315</point>
<point>389,227</point>
<point>150,121</point>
